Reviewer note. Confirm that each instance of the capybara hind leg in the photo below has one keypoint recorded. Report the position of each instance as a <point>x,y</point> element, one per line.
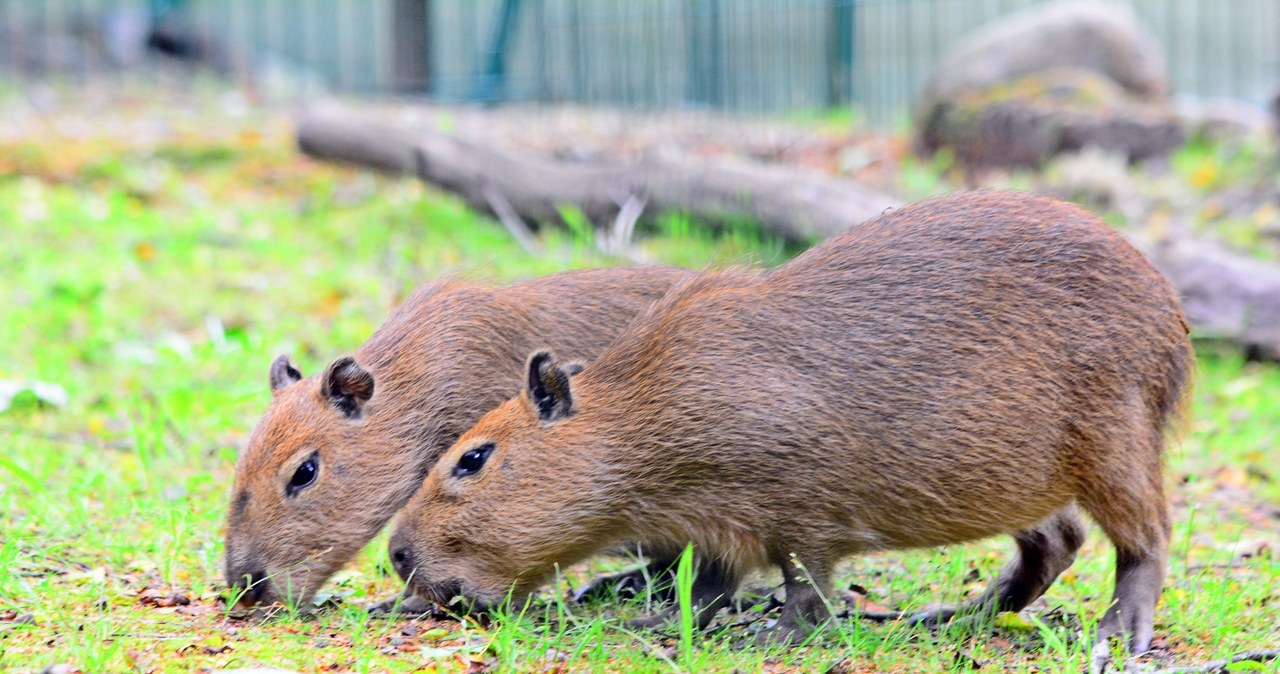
<point>1139,578</point>
<point>713,588</point>
<point>1132,612</point>
<point>805,608</point>
<point>1126,497</point>
<point>1044,552</point>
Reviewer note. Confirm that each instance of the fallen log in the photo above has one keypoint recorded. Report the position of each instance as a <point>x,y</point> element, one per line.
<point>799,206</point>
<point>1227,296</point>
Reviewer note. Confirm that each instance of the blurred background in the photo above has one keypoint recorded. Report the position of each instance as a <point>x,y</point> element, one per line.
<point>189,188</point>
<point>749,56</point>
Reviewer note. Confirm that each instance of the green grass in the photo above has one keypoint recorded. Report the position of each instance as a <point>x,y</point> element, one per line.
<point>154,282</point>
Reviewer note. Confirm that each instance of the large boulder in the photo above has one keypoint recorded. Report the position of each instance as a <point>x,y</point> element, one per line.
<point>1050,80</point>
<point>1084,34</point>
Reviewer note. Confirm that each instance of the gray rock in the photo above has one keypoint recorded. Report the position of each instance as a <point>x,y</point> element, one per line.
<point>1080,34</point>
<point>1054,79</point>
<point>1026,122</point>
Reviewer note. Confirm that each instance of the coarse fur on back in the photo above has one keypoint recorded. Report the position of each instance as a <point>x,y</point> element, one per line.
<point>337,454</point>
<point>972,365</point>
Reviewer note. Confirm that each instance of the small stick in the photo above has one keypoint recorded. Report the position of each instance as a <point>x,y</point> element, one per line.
<point>625,225</point>
<point>1242,564</point>
<point>618,241</point>
<point>511,220</point>
<point>1222,665</point>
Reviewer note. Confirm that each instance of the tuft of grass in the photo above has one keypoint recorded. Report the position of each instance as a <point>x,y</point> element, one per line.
<point>684,596</point>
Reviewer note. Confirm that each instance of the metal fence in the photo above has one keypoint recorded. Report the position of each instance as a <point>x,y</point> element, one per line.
<point>752,56</point>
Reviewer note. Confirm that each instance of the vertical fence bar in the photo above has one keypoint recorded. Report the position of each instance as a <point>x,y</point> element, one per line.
<point>543,76</point>
<point>693,81</point>
<point>577,55</point>
<point>493,80</point>
<point>410,60</point>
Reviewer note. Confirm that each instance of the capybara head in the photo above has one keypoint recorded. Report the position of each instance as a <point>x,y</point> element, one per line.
<point>490,520</point>
<point>293,519</point>
<point>335,456</point>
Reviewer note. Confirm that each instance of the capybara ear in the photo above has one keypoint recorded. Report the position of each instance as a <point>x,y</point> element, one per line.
<point>574,368</point>
<point>549,388</point>
<point>347,386</point>
<point>283,373</point>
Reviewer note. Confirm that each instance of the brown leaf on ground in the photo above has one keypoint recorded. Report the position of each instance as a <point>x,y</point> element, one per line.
<point>17,618</point>
<point>859,603</point>
<point>162,597</point>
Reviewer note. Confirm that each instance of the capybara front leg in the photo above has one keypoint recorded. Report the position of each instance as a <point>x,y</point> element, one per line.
<point>713,587</point>
<point>806,585</point>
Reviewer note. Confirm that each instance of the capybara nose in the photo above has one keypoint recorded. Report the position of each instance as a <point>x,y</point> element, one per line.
<point>402,560</point>
<point>251,586</point>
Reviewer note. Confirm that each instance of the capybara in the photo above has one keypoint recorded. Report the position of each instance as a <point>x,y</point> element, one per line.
<point>336,456</point>
<point>972,365</point>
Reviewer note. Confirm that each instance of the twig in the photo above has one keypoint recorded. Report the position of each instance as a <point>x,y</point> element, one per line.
<point>618,239</point>
<point>1222,665</point>
<point>1242,564</point>
<point>874,616</point>
<point>511,220</point>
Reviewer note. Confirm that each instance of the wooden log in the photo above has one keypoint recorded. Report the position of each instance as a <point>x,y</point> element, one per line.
<point>798,205</point>
<point>1227,296</point>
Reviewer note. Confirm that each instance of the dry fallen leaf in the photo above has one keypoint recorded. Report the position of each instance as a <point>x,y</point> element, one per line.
<point>162,597</point>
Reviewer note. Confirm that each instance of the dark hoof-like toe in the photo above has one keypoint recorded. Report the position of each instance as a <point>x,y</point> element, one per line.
<point>401,606</point>
<point>659,621</point>
<point>781,635</point>
<point>1100,657</point>
<point>625,585</point>
<point>933,617</point>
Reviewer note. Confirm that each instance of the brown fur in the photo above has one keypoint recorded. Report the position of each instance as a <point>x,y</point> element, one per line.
<point>968,366</point>
<point>450,352</point>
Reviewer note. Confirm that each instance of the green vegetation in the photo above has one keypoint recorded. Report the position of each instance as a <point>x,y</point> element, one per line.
<point>154,282</point>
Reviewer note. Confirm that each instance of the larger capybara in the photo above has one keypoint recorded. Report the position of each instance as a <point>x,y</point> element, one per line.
<point>972,365</point>
<point>336,456</point>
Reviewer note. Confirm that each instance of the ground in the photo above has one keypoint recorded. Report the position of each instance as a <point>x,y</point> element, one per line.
<point>158,253</point>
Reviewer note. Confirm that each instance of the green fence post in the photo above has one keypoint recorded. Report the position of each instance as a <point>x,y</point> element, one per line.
<point>840,38</point>
<point>705,80</point>
<point>494,79</point>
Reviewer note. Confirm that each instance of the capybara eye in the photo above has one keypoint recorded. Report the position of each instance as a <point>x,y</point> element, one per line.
<point>473,461</point>
<point>304,475</point>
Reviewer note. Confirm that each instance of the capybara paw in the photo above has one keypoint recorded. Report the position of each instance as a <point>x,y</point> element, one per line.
<point>933,617</point>
<point>782,634</point>
<point>625,585</point>
<point>401,606</point>
<point>654,622</point>
<point>1100,657</point>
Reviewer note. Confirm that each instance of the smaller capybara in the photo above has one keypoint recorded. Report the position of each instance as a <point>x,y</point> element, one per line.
<point>336,456</point>
<point>972,365</point>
